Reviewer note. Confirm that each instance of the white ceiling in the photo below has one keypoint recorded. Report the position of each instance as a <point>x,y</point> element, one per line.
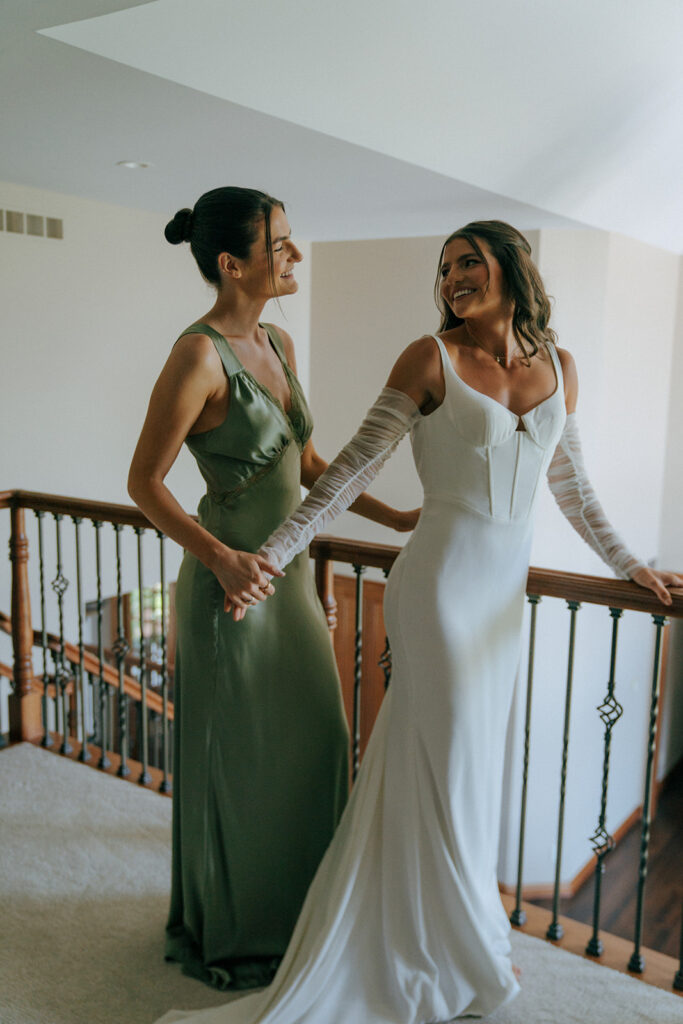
<point>370,118</point>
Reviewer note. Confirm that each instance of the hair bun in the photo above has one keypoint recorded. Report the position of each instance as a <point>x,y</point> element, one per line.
<point>180,228</point>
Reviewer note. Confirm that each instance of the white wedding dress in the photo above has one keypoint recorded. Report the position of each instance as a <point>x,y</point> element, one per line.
<point>403,923</point>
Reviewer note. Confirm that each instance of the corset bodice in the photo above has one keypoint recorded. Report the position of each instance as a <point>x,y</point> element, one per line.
<point>475,452</point>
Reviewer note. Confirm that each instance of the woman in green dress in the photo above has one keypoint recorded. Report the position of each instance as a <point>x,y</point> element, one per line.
<point>260,756</point>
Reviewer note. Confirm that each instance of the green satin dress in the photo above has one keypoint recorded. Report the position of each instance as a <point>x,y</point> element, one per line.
<point>261,741</point>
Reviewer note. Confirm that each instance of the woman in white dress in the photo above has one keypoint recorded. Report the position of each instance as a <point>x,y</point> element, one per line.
<point>403,923</point>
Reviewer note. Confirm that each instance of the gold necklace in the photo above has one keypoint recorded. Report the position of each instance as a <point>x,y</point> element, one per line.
<point>498,358</point>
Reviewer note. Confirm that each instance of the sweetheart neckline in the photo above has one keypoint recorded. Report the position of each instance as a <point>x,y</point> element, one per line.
<point>482,394</point>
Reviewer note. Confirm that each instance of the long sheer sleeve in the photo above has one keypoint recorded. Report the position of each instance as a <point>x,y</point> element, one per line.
<point>576,498</point>
<point>357,464</point>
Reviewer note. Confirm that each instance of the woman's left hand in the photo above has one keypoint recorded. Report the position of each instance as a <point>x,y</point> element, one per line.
<point>658,581</point>
<point>406,521</point>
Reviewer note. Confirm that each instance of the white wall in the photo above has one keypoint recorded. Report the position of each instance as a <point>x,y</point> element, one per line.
<point>370,299</point>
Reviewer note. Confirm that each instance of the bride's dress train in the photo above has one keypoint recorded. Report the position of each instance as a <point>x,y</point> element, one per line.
<point>403,923</point>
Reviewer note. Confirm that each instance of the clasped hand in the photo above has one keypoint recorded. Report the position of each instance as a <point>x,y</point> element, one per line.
<point>245,578</point>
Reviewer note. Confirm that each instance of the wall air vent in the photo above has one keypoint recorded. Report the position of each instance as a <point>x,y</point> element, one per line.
<point>31,224</point>
<point>35,225</point>
<point>14,221</point>
<point>55,227</point>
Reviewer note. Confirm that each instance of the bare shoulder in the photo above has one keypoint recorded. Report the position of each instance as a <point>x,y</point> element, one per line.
<point>195,353</point>
<point>287,345</point>
<point>417,371</point>
<point>420,353</point>
<point>566,360</point>
<point>287,341</point>
<point>568,365</point>
<point>571,378</point>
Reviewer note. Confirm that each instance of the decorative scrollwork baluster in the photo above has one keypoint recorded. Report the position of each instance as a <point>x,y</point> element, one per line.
<point>84,754</point>
<point>165,738</point>
<point>518,915</point>
<point>63,676</point>
<point>47,738</point>
<point>610,712</point>
<point>104,761</point>
<point>637,961</point>
<point>121,648</point>
<point>555,929</point>
<point>357,667</point>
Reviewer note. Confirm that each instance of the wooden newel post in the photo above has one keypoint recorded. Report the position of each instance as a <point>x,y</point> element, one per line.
<point>25,721</point>
<point>324,581</point>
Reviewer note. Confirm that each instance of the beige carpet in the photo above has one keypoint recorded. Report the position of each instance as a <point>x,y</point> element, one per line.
<point>84,870</point>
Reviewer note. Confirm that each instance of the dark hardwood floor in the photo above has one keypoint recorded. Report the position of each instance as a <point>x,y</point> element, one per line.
<point>664,885</point>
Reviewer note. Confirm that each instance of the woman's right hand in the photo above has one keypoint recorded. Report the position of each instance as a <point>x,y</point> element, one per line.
<point>242,576</point>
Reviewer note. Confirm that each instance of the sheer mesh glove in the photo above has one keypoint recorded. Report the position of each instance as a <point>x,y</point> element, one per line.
<point>572,491</point>
<point>357,464</point>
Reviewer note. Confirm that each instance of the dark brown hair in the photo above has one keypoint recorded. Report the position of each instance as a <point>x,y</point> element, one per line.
<point>224,220</point>
<point>520,274</point>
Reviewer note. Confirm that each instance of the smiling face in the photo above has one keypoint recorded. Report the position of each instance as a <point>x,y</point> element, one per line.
<point>471,285</point>
<point>268,271</point>
<point>283,253</point>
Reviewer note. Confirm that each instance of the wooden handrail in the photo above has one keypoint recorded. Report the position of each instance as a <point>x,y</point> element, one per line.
<point>572,586</point>
<point>100,511</point>
<point>545,582</point>
<point>91,665</point>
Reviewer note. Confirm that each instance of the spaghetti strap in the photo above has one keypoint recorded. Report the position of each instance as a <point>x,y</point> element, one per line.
<point>557,365</point>
<point>276,341</point>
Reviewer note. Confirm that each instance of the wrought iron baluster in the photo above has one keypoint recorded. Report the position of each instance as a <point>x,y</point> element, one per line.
<point>112,716</point>
<point>47,738</point>
<point>637,961</point>
<point>63,677</point>
<point>165,737</point>
<point>610,712</point>
<point>84,754</point>
<point>145,777</point>
<point>121,648</point>
<point>518,915</point>
<point>154,750</point>
<point>385,656</point>
<point>357,667</point>
<point>104,761</point>
<point>555,929</point>
<point>92,738</point>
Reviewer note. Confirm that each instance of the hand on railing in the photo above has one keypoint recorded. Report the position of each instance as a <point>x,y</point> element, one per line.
<point>242,576</point>
<point>660,582</point>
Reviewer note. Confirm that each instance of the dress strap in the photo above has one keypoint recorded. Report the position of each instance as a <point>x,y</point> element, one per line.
<point>445,358</point>
<point>227,356</point>
<point>276,341</point>
<point>557,365</point>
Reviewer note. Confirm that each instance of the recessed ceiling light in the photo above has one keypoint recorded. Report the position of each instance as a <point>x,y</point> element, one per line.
<point>132,165</point>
